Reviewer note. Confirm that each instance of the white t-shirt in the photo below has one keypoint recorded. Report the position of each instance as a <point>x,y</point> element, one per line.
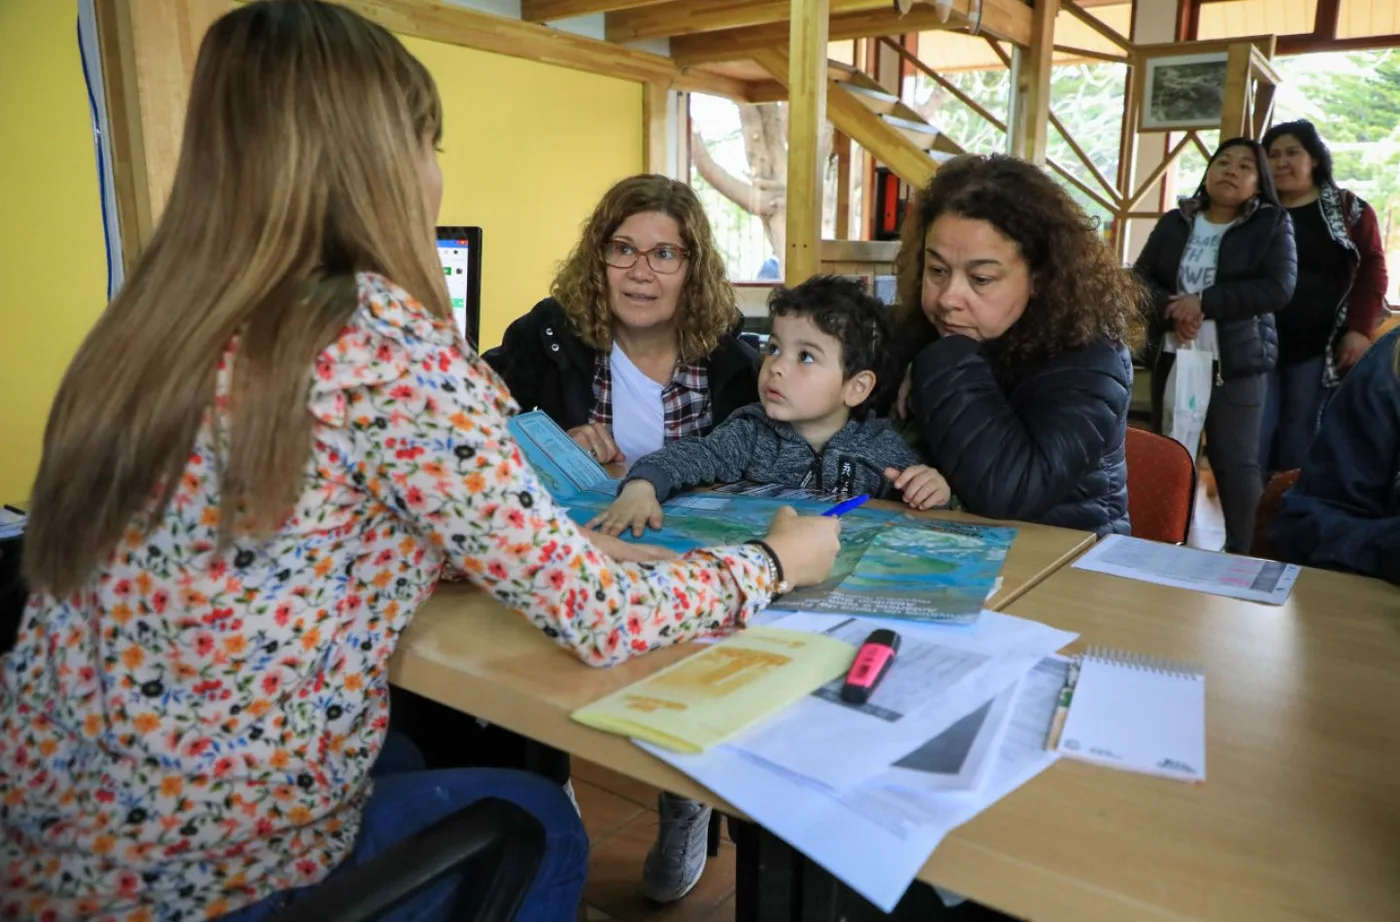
<point>638,417</point>
<point>1197,273</point>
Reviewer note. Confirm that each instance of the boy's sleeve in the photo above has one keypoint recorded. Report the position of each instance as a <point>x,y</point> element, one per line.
<point>720,457</point>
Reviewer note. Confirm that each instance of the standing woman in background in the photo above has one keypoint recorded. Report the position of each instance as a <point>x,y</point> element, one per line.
<point>1328,324</point>
<point>1217,268</point>
<point>258,464</point>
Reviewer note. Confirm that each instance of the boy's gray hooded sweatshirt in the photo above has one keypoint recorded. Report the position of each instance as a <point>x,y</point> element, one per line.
<point>751,446</point>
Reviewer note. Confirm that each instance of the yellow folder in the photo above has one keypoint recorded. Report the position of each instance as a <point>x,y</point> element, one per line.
<point>709,697</point>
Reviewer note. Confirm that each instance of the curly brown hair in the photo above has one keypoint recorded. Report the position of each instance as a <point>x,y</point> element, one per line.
<point>706,309</point>
<point>1079,293</point>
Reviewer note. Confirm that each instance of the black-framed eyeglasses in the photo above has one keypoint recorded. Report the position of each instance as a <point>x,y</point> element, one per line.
<point>664,259</point>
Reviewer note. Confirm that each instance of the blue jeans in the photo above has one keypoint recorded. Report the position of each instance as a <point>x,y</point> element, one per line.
<point>407,799</point>
<point>1292,413</point>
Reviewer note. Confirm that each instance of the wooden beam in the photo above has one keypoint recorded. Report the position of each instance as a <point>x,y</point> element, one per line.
<point>656,131</point>
<point>550,10</point>
<point>1093,55</point>
<point>455,25</point>
<point>1031,126</point>
<point>807,90</point>
<point>687,17</point>
<point>702,81</point>
<point>841,148</point>
<point>917,63</point>
<point>880,140</point>
<point>1005,19</point>
<point>1234,112</point>
<point>148,57</point>
<point>1098,25</point>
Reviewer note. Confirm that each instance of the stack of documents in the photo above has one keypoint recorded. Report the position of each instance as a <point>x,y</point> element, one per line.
<point>868,791</point>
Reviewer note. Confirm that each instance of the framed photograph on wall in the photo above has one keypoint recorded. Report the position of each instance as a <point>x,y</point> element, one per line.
<point>1183,91</point>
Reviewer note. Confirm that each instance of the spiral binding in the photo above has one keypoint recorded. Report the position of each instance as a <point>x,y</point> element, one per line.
<point>1143,663</point>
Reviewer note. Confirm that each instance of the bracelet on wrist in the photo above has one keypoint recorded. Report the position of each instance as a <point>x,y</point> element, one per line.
<point>775,568</point>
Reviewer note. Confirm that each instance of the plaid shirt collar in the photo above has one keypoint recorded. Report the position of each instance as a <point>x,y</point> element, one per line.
<point>685,401</point>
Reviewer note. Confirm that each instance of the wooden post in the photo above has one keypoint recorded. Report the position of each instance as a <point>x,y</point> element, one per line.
<point>807,78</point>
<point>1234,113</point>
<point>656,128</point>
<point>841,147</point>
<point>1030,129</point>
<point>148,55</point>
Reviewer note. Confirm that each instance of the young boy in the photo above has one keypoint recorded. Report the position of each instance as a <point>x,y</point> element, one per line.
<point>824,368</point>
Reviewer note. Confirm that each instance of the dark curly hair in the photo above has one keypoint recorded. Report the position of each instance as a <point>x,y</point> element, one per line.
<point>841,308</point>
<point>707,308</point>
<point>1079,293</point>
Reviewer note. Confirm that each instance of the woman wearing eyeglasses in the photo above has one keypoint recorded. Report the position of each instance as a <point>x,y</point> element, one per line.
<point>638,344</point>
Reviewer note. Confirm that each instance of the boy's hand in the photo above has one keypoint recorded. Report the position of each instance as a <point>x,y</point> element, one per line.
<point>635,508</point>
<point>923,487</point>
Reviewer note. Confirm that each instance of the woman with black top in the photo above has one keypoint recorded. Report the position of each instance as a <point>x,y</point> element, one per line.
<point>1338,303</point>
<point>1217,268</point>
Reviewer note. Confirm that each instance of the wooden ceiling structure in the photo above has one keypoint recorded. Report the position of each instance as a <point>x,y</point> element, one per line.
<point>743,49</point>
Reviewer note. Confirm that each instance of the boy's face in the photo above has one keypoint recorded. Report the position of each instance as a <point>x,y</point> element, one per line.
<point>802,380</point>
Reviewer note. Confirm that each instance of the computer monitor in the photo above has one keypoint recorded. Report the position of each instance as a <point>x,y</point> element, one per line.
<point>459,250</point>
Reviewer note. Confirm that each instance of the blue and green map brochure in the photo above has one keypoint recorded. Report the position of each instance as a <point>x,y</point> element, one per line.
<point>892,564</point>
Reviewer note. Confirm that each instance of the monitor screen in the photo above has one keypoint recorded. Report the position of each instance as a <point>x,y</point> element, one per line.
<point>459,250</point>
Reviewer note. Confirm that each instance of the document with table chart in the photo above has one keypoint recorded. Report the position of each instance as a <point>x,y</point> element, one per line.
<point>940,676</point>
<point>875,837</point>
<point>1248,578</point>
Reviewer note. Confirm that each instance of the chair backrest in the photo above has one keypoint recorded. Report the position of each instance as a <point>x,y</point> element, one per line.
<point>1269,503</point>
<point>1161,487</point>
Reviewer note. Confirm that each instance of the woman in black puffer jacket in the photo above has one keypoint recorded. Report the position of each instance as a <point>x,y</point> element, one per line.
<point>1217,268</point>
<point>1021,323</point>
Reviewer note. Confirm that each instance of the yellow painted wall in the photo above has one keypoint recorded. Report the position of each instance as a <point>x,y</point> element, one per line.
<point>529,148</point>
<point>53,265</point>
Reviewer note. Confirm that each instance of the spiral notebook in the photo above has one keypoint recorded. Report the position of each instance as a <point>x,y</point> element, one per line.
<point>1138,713</point>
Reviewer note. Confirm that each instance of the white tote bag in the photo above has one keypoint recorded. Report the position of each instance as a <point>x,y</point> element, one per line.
<point>1187,396</point>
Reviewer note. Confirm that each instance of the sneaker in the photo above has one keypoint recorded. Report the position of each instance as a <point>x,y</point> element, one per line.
<point>675,863</point>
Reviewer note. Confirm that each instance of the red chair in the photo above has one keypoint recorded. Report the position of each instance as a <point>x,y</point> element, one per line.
<point>1161,487</point>
<point>1268,507</point>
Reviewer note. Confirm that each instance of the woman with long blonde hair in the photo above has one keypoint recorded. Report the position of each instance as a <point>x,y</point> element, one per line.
<point>256,468</point>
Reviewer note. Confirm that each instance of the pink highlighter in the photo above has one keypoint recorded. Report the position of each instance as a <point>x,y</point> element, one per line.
<point>873,660</point>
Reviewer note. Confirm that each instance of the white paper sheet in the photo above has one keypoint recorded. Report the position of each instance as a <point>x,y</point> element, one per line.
<point>877,836</point>
<point>939,676</point>
<point>1248,578</point>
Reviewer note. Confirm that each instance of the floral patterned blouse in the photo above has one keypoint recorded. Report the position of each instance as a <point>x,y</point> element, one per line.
<point>194,731</point>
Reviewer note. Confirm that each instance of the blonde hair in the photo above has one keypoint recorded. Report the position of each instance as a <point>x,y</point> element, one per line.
<point>707,308</point>
<point>301,164</point>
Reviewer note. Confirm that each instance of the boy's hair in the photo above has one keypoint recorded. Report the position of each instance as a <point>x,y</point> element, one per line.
<point>840,307</point>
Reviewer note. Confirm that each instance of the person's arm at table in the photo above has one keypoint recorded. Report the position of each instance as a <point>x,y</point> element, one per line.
<point>443,458</point>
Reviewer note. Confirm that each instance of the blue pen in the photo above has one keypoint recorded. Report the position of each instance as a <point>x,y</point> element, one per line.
<point>845,507</point>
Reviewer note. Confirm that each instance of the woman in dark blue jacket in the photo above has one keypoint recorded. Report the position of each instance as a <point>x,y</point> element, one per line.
<point>1022,321</point>
<point>1344,511</point>
<point>1217,268</point>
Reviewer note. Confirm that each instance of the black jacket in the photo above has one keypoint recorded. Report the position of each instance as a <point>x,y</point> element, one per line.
<point>1036,443</point>
<point>1255,275</point>
<point>546,366</point>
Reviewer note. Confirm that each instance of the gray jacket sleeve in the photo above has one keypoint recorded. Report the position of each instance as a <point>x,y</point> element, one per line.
<point>720,457</point>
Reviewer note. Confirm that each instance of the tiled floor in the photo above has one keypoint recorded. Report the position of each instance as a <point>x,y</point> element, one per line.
<point>620,816</point>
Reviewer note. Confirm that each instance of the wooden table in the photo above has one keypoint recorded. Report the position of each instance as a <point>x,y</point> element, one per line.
<point>465,650</point>
<point>1299,817</point>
